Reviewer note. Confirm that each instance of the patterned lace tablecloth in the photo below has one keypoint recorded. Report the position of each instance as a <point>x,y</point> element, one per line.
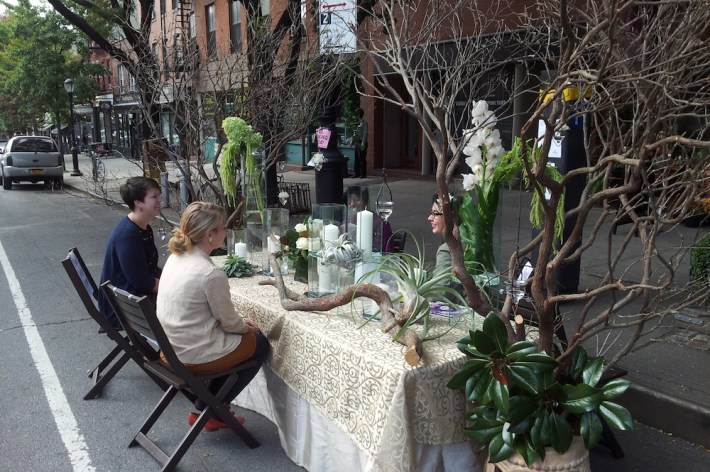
<point>357,376</point>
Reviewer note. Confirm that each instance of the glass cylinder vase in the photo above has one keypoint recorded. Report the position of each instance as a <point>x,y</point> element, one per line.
<point>237,243</point>
<point>275,226</point>
<point>324,228</point>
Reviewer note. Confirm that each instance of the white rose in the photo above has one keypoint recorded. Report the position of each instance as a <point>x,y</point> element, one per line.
<point>300,228</point>
<point>301,243</point>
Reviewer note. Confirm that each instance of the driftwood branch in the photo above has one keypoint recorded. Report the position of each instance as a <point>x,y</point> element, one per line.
<point>391,318</point>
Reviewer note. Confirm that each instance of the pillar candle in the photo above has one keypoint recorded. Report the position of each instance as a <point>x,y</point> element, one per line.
<point>324,279</point>
<point>364,231</point>
<point>331,233</point>
<point>273,244</point>
<point>240,249</point>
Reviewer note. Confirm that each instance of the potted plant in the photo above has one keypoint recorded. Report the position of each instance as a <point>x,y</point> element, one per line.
<point>525,402</point>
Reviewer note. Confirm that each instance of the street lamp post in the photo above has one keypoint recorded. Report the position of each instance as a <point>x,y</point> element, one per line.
<point>69,87</point>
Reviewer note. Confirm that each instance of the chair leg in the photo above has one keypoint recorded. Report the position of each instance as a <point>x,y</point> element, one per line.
<point>102,378</point>
<point>155,414</point>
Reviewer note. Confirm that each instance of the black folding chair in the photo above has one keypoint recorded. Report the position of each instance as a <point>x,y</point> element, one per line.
<point>123,351</point>
<point>138,317</point>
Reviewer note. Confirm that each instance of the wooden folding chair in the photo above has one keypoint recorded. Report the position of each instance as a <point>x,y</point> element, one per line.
<point>123,351</point>
<point>138,317</point>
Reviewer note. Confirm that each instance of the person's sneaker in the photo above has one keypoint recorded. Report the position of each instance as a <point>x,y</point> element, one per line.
<point>213,424</point>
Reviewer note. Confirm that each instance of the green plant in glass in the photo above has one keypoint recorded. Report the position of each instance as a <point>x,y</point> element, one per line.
<point>524,400</point>
<point>236,266</point>
<point>417,289</point>
<point>241,139</point>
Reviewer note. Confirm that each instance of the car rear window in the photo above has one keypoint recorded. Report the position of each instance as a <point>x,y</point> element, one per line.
<point>33,145</point>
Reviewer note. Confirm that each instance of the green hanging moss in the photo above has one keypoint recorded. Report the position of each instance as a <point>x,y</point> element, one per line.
<point>240,138</point>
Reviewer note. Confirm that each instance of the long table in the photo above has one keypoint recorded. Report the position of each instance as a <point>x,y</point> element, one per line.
<point>342,395</point>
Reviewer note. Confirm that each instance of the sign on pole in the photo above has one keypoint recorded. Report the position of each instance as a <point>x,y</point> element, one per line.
<point>338,21</point>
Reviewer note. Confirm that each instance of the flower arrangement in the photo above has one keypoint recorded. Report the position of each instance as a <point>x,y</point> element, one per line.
<point>490,164</point>
<point>283,197</point>
<point>317,160</point>
<point>241,138</point>
<point>296,245</point>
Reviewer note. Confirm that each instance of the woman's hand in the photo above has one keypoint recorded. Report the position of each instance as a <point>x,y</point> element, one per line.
<point>251,326</point>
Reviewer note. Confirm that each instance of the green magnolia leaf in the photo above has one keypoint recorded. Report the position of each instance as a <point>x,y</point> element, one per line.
<point>616,415</point>
<point>472,382</point>
<point>483,430</point>
<point>495,329</point>
<point>499,450</point>
<point>579,360</point>
<point>481,386</point>
<point>484,343</point>
<point>471,366</point>
<point>500,395</point>
<point>581,398</point>
<point>526,450</point>
<point>560,433</point>
<point>590,429</point>
<point>520,350</point>
<point>526,378</point>
<point>614,388</point>
<point>522,413</point>
<point>593,371</point>
<point>540,432</point>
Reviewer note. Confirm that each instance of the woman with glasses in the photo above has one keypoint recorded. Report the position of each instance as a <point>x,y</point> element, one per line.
<point>443,255</point>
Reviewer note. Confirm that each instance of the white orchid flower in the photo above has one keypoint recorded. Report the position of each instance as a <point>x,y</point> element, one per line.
<point>470,181</point>
<point>479,108</point>
<point>474,159</point>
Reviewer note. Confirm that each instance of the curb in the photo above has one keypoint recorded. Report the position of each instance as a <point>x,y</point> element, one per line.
<point>679,417</point>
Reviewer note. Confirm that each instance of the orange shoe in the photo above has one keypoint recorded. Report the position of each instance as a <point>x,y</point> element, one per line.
<point>213,424</point>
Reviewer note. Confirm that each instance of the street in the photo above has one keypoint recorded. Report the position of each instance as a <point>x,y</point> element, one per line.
<point>48,343</point>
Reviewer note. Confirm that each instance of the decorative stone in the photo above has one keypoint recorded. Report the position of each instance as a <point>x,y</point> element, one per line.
<point>576,459</point>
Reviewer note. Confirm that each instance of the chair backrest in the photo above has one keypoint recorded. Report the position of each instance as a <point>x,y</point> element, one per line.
<point>131,312</point>
<point>85,287</point>
<point>137,314</point>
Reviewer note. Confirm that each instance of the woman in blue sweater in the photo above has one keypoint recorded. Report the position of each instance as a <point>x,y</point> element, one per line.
<point>131,258</point>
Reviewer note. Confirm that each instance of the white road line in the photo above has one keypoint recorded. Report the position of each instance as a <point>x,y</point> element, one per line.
<point>63,416</point>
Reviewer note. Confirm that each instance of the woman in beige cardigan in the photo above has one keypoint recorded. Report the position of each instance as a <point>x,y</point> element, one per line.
<point>195,308</point>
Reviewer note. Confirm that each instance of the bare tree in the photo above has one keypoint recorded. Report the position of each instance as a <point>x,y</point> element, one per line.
<point>276,84</point>
<point>639,70</point>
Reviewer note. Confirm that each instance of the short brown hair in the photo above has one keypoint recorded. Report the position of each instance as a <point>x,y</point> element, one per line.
<point>136,188</point>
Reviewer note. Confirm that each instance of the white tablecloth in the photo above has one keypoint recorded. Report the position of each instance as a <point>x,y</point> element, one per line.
<point>343,397</point>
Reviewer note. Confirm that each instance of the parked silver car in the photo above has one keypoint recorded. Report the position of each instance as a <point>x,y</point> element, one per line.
<point>31,159</point>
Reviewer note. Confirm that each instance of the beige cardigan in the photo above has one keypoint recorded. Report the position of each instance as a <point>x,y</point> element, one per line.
<point>196,310</point>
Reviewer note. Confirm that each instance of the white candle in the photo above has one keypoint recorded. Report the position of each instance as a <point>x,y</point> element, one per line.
<point>324,281</point>
<point>364,231</point>
<point>240,249</point>
<point>331,233</point>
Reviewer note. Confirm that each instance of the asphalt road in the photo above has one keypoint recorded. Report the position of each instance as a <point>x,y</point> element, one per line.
<point>48,343</point>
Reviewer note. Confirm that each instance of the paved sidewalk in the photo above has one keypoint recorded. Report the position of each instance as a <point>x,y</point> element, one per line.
<point>668,368</point>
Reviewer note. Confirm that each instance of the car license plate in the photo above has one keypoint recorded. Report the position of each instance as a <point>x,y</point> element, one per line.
<point>35,171</point>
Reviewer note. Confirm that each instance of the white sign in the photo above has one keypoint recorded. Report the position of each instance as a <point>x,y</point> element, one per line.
<point>337,23</point>
<point>557,138</point>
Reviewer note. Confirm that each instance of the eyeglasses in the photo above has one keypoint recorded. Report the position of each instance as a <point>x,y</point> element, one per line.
<point>436,213</point>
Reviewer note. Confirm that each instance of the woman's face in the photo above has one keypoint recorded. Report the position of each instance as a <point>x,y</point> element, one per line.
<point>355,203</point>
<point>436,219</point>
<point>150,205</point>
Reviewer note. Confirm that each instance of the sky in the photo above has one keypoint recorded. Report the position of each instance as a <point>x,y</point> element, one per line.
<point>14,2</point>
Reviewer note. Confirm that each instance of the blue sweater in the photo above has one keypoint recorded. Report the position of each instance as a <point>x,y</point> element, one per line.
<point>130,263</point>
